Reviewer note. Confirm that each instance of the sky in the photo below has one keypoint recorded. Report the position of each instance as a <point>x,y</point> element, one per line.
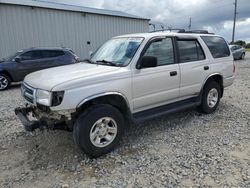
<point>213,15</point>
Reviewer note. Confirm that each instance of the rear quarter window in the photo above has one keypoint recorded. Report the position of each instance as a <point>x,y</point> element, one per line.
<point>217,46</point>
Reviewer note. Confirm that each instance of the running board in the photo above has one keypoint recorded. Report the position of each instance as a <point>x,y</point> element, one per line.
<point>166,109</point>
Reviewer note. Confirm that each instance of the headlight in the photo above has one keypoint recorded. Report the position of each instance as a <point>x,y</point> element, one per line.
<point>43,97</point>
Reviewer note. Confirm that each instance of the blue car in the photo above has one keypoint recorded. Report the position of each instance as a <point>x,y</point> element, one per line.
<point>238,51</point>
<point>17,66</point>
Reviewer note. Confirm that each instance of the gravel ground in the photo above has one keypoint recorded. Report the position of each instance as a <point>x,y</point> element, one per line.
<point>186,149</point>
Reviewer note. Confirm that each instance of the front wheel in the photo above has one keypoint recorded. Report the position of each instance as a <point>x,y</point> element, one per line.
<point>4,82</point>
<point>210,97</point>
<point>98,130</point>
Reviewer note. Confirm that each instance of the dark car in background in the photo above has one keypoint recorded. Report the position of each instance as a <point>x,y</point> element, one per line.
<point>238,51</point>
<point>17,66</point>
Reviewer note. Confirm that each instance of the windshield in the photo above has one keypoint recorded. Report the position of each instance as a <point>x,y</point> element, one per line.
<point>12,56</point>
<point>118,51</point>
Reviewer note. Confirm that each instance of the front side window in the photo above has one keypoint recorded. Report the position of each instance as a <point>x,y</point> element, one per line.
<point>31,55</point>
<point>190,50</point>
<point>163,50</point>
<point>217,46</point>
<point>118,51</point>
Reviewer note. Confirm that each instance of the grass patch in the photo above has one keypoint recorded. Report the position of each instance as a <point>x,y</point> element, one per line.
<point>248,49</point>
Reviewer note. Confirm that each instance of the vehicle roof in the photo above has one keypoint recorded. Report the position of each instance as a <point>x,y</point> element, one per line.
<point>163,33</point>
<point>231,45</point>
<point>47,48</point>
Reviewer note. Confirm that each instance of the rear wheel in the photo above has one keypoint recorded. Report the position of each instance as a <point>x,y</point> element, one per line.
<point>4,82</point>
<point>98,131</point>
<point>210,98</point>
<point>242,56</point>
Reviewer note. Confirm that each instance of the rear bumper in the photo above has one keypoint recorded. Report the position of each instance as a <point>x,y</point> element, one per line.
<point>228,81</point>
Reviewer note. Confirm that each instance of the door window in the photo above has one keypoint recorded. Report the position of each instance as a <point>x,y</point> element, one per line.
<point>162,49</point>
<point>190,50</point>
<point>31,55</point>
<point>52,53</point>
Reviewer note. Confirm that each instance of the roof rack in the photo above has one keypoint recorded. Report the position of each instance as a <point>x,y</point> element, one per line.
<point>169,29</point>
<point>197,31</point>
<point>184,31</point>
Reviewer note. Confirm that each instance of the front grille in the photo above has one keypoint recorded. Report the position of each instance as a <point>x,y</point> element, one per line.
<point>28,92</point>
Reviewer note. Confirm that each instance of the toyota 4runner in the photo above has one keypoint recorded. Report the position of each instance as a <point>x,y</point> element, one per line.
<point>129,79</point>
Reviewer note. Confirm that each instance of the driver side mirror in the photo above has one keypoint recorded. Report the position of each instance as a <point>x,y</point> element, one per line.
<point>147,62</point>
<point>18,59</point>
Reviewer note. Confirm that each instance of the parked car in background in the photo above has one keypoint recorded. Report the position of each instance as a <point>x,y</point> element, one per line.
<point>17,66</point>
<point>238,51</point>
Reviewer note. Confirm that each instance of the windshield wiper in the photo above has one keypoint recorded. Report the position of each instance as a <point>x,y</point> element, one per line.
<point>107,62</point>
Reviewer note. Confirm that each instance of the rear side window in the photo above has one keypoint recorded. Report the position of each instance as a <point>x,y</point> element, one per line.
<point>190,50</point>
<point>217,46</point>
<point>52,53</point>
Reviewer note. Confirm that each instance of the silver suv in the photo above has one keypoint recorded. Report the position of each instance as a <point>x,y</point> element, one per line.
<point>130,78</point>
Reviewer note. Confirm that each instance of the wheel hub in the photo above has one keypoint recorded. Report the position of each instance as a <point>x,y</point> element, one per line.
<point>103,132</point>
<point>212,97</point>
<point>3,82</point>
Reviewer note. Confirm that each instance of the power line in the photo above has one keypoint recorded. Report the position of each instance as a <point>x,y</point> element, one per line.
<point>235,14</point>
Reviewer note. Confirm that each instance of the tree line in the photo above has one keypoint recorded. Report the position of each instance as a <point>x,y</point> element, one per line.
<point>241,43</point>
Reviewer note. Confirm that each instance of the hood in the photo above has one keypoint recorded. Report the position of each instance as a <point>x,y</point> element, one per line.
<point>49,78</point>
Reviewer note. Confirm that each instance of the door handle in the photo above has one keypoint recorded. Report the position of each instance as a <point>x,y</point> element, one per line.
<point>206,67</point>
<point>173,73</point>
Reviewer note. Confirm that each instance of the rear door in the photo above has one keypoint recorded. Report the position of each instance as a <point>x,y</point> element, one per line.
<point>194,66</point>
<point>53,58</point>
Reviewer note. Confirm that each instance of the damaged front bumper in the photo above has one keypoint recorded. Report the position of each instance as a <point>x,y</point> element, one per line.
<point>22,114</point>
<point>33,118</point>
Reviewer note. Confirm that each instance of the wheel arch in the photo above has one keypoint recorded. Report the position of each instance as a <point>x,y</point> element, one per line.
<point>7,74</point>
<point>217,77</point>
<point>115,99</point>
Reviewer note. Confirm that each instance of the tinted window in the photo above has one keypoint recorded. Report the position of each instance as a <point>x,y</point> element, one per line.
<point>217,46</point>
<point>190,50</point>
<point>31,55</point>
<point>52,53</point>
<point>162,49</point>
<point>238,47</point>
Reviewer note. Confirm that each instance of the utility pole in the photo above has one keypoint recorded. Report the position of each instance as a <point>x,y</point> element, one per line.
<point>162,27</point>
<point>235,14</point>
<point>190,23</point>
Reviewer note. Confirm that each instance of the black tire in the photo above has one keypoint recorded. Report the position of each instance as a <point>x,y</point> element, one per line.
<point>4,78</point>
<point>242,56</point>
<point>204,106</point>
<point>87,120</point>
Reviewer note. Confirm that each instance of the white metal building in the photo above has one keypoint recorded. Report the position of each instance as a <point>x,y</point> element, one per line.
<point>30,23</point>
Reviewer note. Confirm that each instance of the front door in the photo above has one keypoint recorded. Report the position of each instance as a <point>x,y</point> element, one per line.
<point>29,62</point>
<point>158,85</point>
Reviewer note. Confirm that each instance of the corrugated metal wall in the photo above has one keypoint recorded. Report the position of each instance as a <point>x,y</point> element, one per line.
<point>24,27</point>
